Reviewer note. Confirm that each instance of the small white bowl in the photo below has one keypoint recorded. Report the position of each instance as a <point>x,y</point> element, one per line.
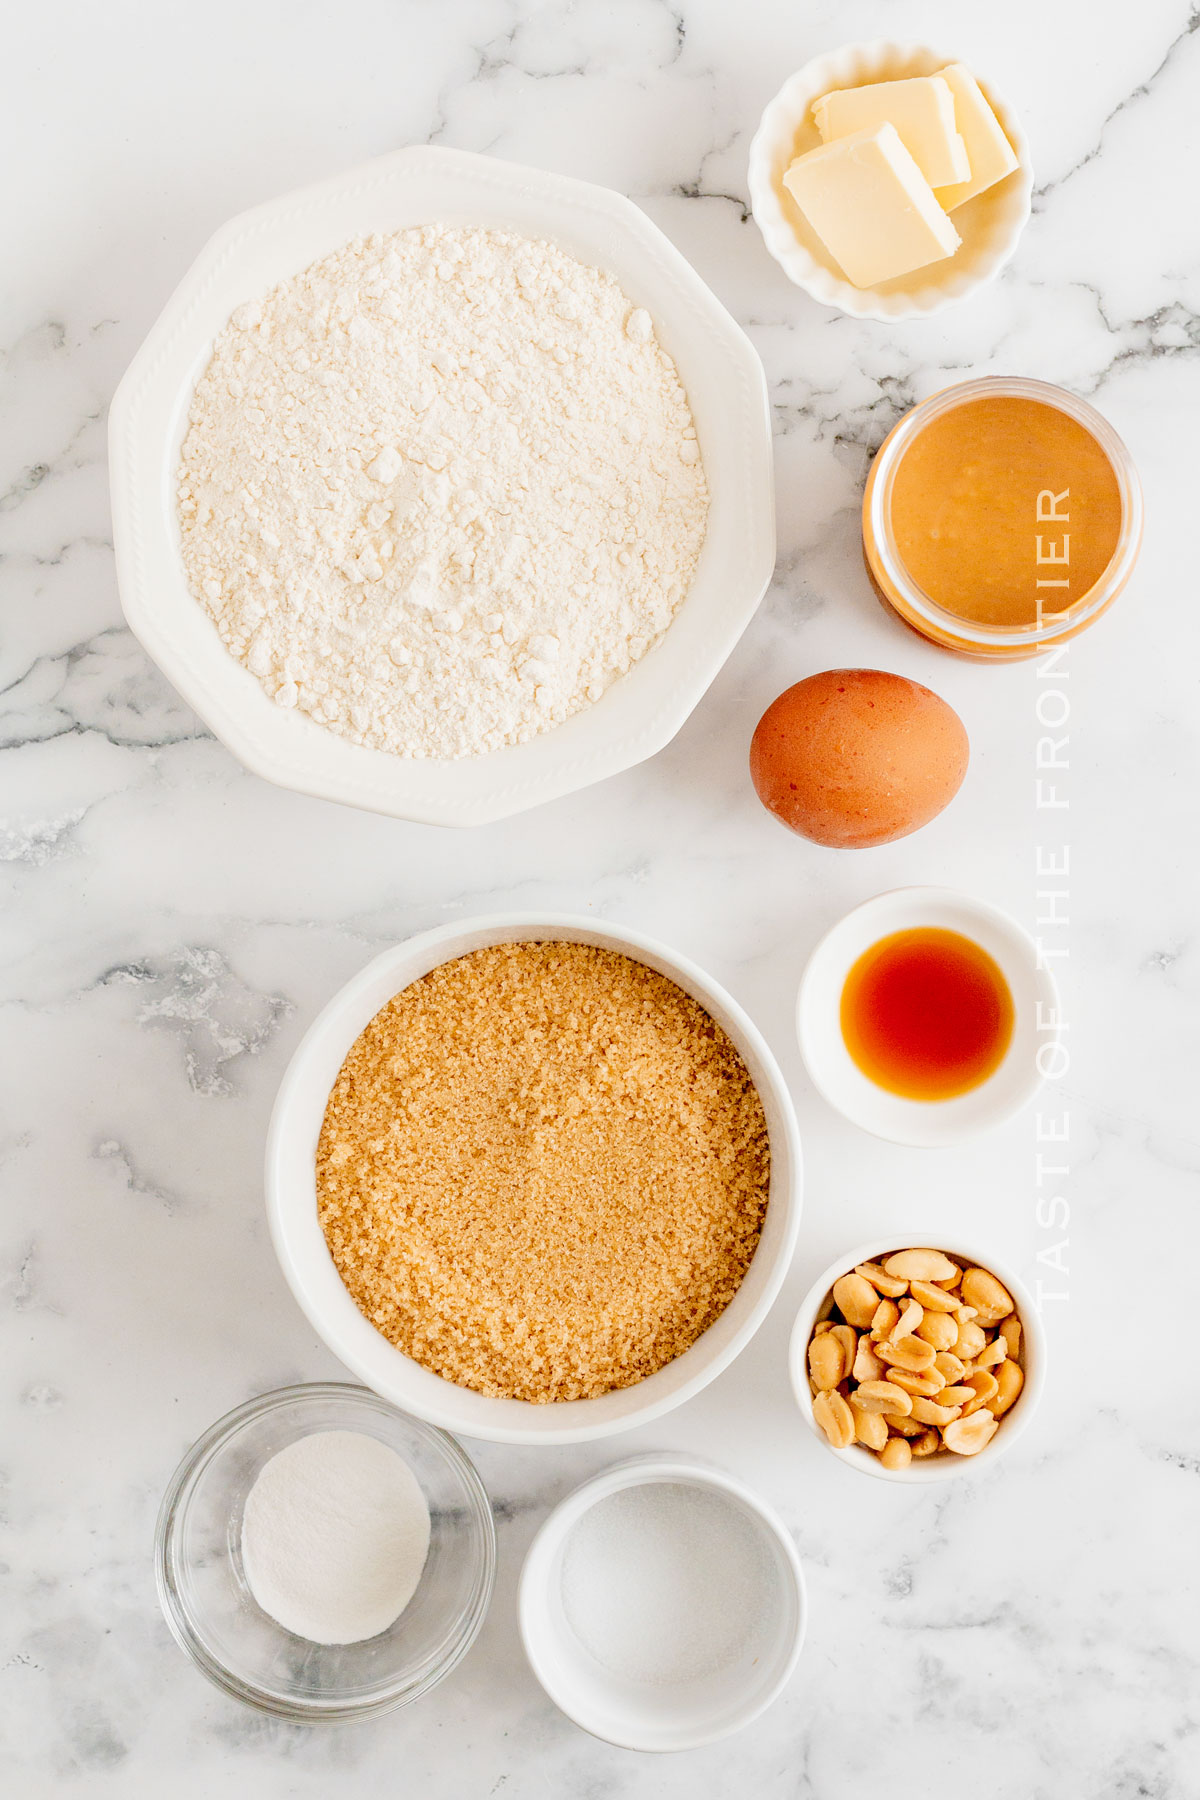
<point>926,1123</point>
<point>312,1275</point>
<point>989,225</point>
<point>726,389</point>
<point>945,1466</point>
<point>659,1716</point>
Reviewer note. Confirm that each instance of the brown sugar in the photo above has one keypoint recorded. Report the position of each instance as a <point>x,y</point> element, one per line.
<point>543,1171</point>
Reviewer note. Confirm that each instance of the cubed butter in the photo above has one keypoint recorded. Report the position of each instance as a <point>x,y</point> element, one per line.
<point>921,109</point>
<point>870,205</point>
<point>989,152</point>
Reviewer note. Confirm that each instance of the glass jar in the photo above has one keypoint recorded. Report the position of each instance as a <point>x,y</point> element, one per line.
<point>989,642</point>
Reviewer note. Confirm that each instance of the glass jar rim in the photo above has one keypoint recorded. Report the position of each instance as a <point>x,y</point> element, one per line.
<point>877,514</point>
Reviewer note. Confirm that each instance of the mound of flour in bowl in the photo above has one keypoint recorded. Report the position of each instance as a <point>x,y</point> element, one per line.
<point>440,489</point>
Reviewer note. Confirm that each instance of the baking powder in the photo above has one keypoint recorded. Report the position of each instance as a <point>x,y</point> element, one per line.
<point>335,1534</point>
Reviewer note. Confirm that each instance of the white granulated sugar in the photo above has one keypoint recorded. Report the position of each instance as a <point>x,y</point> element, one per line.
<point>335,1533</point>
<point>666,1583</point>
<point>441,489</point>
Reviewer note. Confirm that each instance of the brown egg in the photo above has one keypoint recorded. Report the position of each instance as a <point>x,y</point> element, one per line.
<point>857,757</point>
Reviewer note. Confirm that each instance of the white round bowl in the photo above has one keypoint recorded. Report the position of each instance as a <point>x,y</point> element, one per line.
<point>657,1716</point>
<point>312,1275</point>
<point>728,396</point>
<point>989,225</point>
<point>927,1123</point>
<point>944,1466</point>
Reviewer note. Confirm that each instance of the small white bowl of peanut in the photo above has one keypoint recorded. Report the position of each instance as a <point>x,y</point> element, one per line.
<point>917,1364</point>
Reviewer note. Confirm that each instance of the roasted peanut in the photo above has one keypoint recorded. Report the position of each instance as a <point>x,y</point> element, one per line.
<point>990,1298</point>
<point>884,1319</point>
<point>938,1329</point>
<point>867,1366</point>
<point>966,1437</point>
<point>933,1299</point>
<point>834,1417</point>
<point>908,1428</point>
<point>856,1300</point>
<point>984,1386</point>
<point>883,1396</point>
<point>910,1317</point>
<point>930,1413</point>
<point>910,1353</point>
<point>826,1362</point>
<point>916,1353</point>
<point>1010,1379</point>
<point>881,1281</point>
<point>920,1265</point>
<point>912,1383</point>
<point>870,1428</point>
<point>848,1339</point>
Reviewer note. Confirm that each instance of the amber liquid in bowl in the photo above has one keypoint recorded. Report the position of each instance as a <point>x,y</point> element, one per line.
<point>927,1014</point>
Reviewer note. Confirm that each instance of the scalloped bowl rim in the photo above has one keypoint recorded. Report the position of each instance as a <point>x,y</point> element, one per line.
<point>840,68</point>
<point>726,386</point>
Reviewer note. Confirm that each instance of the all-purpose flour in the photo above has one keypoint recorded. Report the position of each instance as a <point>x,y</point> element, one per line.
<point>441,489</point>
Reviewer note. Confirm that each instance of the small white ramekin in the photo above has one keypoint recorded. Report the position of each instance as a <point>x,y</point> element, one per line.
<point>989,225</point>
<point>927,1123</point>
<point>312,1275</point>
<point>657,1716</point>
<point>945,1466</point>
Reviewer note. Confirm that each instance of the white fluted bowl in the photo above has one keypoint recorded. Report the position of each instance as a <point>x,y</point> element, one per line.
<point>989,225</point>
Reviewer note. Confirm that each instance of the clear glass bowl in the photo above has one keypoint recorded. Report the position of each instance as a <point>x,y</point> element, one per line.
<point>215,1619</point>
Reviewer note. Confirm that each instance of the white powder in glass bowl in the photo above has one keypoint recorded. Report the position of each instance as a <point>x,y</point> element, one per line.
<point>441,489</point>
<point>335,1534</point>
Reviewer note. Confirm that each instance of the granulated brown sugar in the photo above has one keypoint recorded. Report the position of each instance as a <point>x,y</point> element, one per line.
<point>543,1171</point>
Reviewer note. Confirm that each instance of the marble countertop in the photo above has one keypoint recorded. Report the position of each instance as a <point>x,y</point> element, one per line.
<point>171,923</point>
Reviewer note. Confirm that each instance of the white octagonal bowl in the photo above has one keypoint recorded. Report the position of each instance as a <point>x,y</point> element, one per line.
<point>312,1275</point>
<point>725,386</point>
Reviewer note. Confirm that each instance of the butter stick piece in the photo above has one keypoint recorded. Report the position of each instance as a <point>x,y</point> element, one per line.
<point>991,155</point>
<point>870,205</point>
<point>921,109</point>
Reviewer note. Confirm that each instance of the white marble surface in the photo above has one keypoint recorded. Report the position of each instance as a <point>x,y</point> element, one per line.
<point>171,923</point>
